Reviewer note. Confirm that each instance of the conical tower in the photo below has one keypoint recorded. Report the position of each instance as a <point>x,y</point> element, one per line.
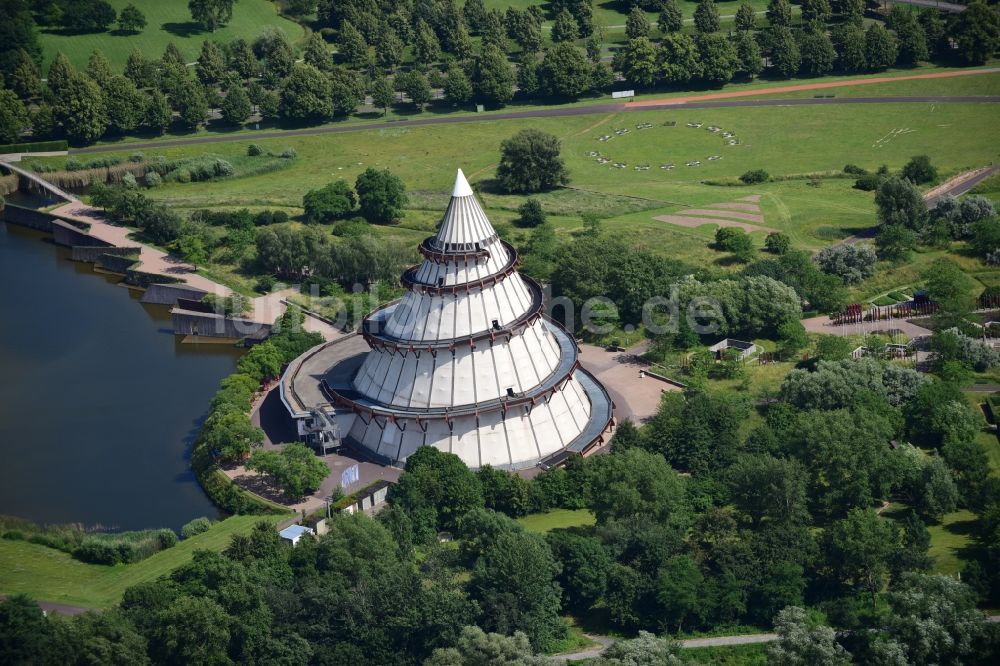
<point>466,361</point>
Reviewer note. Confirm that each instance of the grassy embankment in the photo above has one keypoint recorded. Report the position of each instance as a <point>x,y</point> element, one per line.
<point>47,574</point>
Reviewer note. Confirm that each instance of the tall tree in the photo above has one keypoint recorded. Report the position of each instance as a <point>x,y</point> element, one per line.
<point>131,19</point>
<point>636,25</point>
<point>976,33</point>
<point>236,106</point>
<point>514,584</point>
<point>530,162</point>
<point>457,86</point>
<point>492,76</point>
<point>211,63</point>
<point>817,53</point>
<point>816,10</point>
<point>849,43</point>
<point>316,53</point>
<point>748,54</point>
<point>383,94</point>
<point>670,19</point>
<point>637,61</point>
<point>565,28</point>
<point>352,47</point>
<point>98,68</point>
<point>858,549</point>
<point>210,14</point>
<point>718,58</point>
<point>880,47</point>
<point>81,110</point>
<point>679,59</point>
<point>706,16</point>
<point>779,13</point>
<point>426,48</point>
<point>381,198</point>
<point>785,55</point>
<point>125,104</point>
<point>416,87</point>
<point>305,94</point>
<point>13,117</point>
<point>565,72</point>
<point>158,115</point>
<point>746,18</point>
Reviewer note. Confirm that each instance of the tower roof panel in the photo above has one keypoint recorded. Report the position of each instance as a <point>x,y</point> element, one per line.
<point>465,225</point>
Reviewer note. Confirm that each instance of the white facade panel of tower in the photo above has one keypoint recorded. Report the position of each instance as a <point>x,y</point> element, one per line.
<point>465,361</point>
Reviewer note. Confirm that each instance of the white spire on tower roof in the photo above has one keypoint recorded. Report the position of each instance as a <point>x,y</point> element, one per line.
<point>462,187</point>
<point>464,224</point>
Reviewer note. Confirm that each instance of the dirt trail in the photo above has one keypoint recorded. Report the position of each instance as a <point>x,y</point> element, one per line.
<point>807,86</point>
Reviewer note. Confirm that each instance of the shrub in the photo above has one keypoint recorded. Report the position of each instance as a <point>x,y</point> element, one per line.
<point>196,527</point>
<point>854,170</point>
<point>352,228</point>
<point>265,284</point>
<point>253,150</point>
<point>166,539</point>
<point>96,551</point>
<point>72,164</point>
<point>777,242</point>
<point>329,202</point>
<point>288,154</point>
<point>755,176</point>
<point>266,217</point>
<point>129,181</point>
<point>869,182</point>
<point>183,176</point>
<point>530,214</point>
<point>919,170</point>
<point>136,157</point>
<point>851,263</point>
<point>153,179</point>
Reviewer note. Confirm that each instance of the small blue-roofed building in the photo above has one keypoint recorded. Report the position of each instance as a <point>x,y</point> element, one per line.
<point>293,533</point>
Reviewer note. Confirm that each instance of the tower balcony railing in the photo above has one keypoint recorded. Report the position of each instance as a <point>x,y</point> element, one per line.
<point>409,278</point>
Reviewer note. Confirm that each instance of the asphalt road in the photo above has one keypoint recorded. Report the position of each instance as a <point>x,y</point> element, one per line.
<point>534,113</point>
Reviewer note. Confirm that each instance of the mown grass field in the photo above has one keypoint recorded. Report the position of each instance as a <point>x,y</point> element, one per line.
<point>168,21</point>
<point>556,519</point>
<point>51,575</point>
<point>791,143</point>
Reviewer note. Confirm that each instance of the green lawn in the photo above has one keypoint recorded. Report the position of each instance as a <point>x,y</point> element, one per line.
<point>557,519</point>
<point>754,654</point>
<point>168,21</point>
<point>949,540</point>
<point>789,142</point>
<point>51,575</point>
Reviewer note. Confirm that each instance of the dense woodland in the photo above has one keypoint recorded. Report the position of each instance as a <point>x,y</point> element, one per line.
<point>700,523</point>
<point>365,49</point>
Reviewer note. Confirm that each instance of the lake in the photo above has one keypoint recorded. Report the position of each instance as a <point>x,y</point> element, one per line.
<point>99,402</point>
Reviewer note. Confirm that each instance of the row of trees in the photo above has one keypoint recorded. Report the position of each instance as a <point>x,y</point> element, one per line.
<point>242,79</point>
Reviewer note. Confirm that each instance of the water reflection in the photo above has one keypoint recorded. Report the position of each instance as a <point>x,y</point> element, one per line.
<point>100,401</point>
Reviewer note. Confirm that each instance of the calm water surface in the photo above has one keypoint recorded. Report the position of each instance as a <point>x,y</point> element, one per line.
<point>98,402</point>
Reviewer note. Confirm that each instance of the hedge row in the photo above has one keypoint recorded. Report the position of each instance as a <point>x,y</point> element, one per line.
<point>34,147</point>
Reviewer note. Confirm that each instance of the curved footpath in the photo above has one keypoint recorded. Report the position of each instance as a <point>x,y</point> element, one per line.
<point>706,101</point>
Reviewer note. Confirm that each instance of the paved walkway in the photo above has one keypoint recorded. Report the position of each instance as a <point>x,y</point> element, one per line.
<point>820,85</point>
<point>636,398</point>
<point>266,308</point>
<point>270,415</point>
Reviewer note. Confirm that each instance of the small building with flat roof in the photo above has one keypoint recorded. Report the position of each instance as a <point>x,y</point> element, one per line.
<point>293,533</point>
